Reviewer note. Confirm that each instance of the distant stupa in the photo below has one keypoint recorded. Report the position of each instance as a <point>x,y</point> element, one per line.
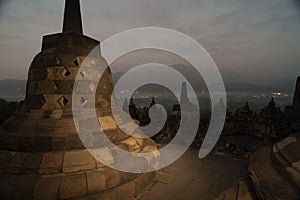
<point>184,96</point>
<point>296,101</point>
<point>41,154</point>
<point>292,112</point>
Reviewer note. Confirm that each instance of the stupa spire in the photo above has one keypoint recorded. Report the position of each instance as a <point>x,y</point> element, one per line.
<point>72,17</point>
<point>296,101</point>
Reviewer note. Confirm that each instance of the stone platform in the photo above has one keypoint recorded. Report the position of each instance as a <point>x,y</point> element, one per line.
<point>274,173</point>
<point>191,178</point>
<point>65,175</point>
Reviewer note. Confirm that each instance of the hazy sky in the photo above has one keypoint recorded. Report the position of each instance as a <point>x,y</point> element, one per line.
<point>257,41</point>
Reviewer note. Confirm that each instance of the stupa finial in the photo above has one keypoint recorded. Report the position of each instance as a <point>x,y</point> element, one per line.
<point>72,17</point>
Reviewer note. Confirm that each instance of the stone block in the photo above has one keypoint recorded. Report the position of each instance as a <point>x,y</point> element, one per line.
<point>105,154</point>
<point>51,163</point>
<point>107,123</point>
<point>285,142</point>
<point>143,182</point>
<point>296,165</point>
<point>16,162</point>
<point>133,144</point>
<point>18,187</point>
<point>112,178</point>
<point>47,188</point>
<point>73,185</point>
<point>65,86</point>
<point>99,165</point>
<point>95,181</point>
<point>56,114</point>
<point>126,177</point>
<point>294,176</point>
<point>110,195</point>
<point>163,178</point>
<point>5,158</point>
<point>80,160</point>
<point>32,163</point>
<point>39,87</point>
<point>126,191</point>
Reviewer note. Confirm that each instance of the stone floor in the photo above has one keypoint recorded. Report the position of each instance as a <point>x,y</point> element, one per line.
<point>191,178</point>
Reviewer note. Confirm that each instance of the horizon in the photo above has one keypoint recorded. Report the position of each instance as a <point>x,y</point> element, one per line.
<point>247,40</point>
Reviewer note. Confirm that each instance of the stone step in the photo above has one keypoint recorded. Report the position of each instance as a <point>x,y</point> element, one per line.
<point>228,194</point>
<point>246,190</point>
<point>267,181</point>
<point>286,158</point>
<point>243,191</point>
<point>279,162</point>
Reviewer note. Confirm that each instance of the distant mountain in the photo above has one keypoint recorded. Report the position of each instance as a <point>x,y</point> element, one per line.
<point>199,85</point>
<point>17,88</point>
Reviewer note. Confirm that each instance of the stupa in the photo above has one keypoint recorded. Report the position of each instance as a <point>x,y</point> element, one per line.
<point>274,170</point>
<point>292,111</point>
<point>41,154</point>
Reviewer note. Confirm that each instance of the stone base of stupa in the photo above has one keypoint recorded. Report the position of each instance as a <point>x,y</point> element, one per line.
<point>274,173</point>
<point>67,174</point>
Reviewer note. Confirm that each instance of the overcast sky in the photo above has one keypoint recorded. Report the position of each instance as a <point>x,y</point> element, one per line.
<point>256,41</point>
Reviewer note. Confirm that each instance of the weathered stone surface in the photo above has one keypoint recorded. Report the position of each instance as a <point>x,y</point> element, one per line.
<point>47,188</point>
<point>112,177</point>
<point>152,155</point>
<point>110,195</point>
<point>163,178</point>
<point>266,179</point>
<point>49,166</point>
<point>126,177</point>
<point>73,185</point>
<point>5,158</point>
<point>294,176</point>
<point>105,155</point>
<point>95,181</point>
<point>77,161</point>
<point>35,101</point>
<point>127,191</point>
<point>32,163</point>
<point>134,144</point>
<point>16,162</point>
<point>296,165</point>
<point>17,187</point>
<point>107,123</point>
<point>56,114</point>
<point>285,142</point>
<point>51,163</point>
<point>244,191</point>
<point>143,182</point>
<point>40,87</point>
<point>65,86</point>
<point>291,152</point>
<point>99,165</point>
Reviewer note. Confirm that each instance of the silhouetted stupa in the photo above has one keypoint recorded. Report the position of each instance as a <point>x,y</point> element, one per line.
<point>292,112</point>
<point>41,154</point>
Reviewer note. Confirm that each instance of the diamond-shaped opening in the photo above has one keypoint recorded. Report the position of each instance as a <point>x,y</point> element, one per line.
<point>83,100</point>
<point>83,74</point>
<point>76,62</point>
<point>67,73</point>
<point>63,101</point>
<point>55,84</point>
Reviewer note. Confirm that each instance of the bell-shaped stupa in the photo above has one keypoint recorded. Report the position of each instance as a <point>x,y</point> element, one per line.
<point>42,156</point>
